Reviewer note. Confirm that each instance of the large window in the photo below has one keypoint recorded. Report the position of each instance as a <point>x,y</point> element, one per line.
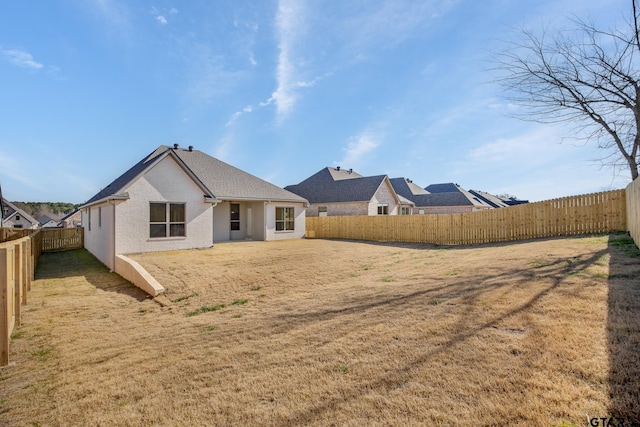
<point>235,216</point>
<point>167,220</point>
<point>383,209</point>
<point>285,219</point>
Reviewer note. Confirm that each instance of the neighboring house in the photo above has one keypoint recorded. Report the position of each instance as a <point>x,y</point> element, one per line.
<point>71,220</point>
<point>451,198</point>
<point>178,198</point>
<point>438,198</point>
<point>497,201</point>
<point>14,217</point>
<point>47,222</point>
<point>336,191</point>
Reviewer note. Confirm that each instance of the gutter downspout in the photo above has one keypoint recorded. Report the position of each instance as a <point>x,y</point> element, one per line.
<point>113,253</point>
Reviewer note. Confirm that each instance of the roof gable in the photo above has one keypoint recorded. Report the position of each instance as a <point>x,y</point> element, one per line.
<point>13,210</point>
<point>219,180</point>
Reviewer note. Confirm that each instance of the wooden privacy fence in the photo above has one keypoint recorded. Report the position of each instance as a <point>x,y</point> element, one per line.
<point>633,210</point>
<point>18,260</point>
<point>16,273</point>
<point>586,214</point>
<point>62,239</point>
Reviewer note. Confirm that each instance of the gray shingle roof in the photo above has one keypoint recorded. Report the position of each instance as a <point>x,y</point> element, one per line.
<point>446,194</point>
<point>220,179</point>
<point>323,187</point>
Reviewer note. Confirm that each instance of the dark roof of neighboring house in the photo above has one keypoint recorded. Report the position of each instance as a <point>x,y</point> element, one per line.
<point>447,187</point>
<point>334,185</point>
<point>446,194</point>
<point>219,179</point>
<point>43,219</point>
<point>496,201</point>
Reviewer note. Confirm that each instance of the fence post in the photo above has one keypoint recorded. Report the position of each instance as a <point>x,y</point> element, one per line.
<point>4,308</point>
<point>26,280</point>
<point>17,272</point>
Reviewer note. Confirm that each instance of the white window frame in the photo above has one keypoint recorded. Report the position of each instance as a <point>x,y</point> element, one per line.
<point>383,209</point>
<point>288,222</point>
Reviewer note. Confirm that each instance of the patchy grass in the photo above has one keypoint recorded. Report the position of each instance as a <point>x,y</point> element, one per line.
<point>533,333</point>
<point>205,309</point>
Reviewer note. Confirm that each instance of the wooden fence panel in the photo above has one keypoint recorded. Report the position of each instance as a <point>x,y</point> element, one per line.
<point>7,299</point>
<point>585,214</point>
<point>18,260</point>
<point>633,209</point>
<point>58,239</point>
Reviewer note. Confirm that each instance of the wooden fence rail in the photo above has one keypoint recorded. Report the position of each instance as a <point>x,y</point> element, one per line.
<point>586,214</point>
<point>19,254</point>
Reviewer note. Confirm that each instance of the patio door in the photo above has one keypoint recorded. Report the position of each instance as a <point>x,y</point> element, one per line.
<point>234,222</point>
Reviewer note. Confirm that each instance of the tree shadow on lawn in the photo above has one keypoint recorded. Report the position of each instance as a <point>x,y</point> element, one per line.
<point>555,272</point>
<point>81,263</point>
<point>623,328</point>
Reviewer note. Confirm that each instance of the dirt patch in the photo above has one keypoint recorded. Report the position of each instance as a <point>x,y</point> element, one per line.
<point>318,332</point>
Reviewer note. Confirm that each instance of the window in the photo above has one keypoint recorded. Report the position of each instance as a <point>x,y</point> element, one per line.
<point>235,216</point>
<point>405,210</point>
<point>285,219</point>
<point>99,217</point>
<point>167,220</point>
<point>17,217</point>
<point>322,211</point>
<point>383,209</point>
<point>89,215</point>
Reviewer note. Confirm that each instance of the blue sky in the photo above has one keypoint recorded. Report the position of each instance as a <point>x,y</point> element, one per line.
<point>280,89</point>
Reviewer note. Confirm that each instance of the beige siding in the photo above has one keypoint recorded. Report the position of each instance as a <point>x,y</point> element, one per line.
<point>384,195</point>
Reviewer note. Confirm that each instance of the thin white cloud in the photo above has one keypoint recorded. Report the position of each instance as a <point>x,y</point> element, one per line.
<point>21,59</point>
<point>288,26</point>
<point>358,147</point>
<point>235,116</point>
<point>159,17</point>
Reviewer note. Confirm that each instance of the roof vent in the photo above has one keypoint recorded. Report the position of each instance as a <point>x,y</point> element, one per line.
<point>350,170</point>
<point>191,148</point>
<point>337,168</point>
<point>175,146</point>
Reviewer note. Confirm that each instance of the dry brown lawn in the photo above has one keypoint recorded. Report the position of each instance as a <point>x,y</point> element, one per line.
<point>319,332</point>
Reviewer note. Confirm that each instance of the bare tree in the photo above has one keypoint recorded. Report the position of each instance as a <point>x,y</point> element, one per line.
<point>588,77</point>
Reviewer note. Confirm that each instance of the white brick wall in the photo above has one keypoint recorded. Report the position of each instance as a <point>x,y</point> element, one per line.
<point>299,211</point>
<point>165,182</point>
